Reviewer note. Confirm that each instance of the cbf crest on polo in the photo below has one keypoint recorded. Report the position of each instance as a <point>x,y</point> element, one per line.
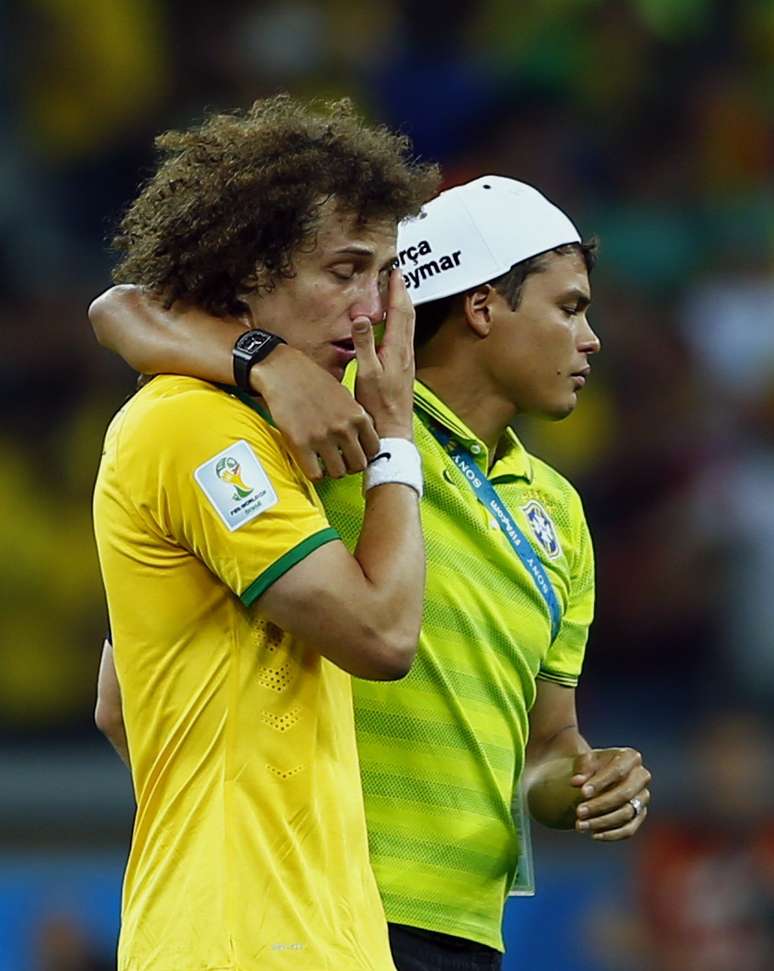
<point>543,529</point>
<point>475,232</point>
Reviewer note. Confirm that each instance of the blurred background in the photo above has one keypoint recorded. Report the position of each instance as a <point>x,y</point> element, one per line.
<point>650,121</point>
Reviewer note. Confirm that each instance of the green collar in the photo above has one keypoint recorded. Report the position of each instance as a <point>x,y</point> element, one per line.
<point>515,463</point>
<point>250,401</point>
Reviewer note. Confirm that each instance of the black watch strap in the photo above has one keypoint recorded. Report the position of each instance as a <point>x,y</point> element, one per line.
<point>250,348</point>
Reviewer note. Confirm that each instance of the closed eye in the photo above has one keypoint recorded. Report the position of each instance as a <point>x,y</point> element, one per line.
<point>580,307</point>
<point>574,302</point>
<point>343,271</point>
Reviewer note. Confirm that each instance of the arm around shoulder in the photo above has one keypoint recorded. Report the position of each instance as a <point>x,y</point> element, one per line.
<point>154,339</point>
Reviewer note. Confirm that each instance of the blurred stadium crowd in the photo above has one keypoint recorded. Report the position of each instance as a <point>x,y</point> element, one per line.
<point>649,120</point>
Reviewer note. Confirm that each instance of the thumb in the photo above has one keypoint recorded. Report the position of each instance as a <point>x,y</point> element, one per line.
<point>363,339</point>
<point>584,768</point>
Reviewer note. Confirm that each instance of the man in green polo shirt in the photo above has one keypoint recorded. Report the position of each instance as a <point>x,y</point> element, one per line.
<point>499,277</point>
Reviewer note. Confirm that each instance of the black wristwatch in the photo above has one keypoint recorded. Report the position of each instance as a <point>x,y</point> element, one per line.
<point>251,347</point>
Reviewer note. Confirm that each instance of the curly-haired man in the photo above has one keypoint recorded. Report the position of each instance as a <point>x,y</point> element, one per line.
<point>237,613</point>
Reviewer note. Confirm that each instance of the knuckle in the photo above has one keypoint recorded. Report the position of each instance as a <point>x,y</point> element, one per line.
<point>342,428</point>
<point>302,439</point>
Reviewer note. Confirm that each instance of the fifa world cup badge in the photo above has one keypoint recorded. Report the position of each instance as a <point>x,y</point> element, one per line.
<point>236,485</point>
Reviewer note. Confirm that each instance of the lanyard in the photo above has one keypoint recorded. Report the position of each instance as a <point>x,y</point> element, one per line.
<point>487,496</point>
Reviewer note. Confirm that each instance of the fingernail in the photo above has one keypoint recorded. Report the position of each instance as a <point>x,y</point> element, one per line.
<point>583,810</point>
<point>583,826</point>
<point>588,790</point>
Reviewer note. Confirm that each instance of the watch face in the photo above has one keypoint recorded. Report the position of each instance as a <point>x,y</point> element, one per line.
<point>252,342</point>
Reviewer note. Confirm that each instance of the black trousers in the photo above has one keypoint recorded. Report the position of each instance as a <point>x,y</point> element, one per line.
<point>414,949</point>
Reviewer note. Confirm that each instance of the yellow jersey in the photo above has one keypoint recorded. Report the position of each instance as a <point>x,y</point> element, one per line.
<point>249,850</point>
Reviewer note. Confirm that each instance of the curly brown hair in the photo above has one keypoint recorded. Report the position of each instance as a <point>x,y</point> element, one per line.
<point>234,198</point>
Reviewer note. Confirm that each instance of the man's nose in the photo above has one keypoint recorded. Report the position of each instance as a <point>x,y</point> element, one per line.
<point>589,342</point>
<point>369,303</point>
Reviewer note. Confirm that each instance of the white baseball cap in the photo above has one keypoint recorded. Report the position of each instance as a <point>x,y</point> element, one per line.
<point>475,232</point>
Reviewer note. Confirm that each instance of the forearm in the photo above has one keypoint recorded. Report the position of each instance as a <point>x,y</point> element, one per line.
<point>116,735</point>
<point>153,340</point>
<point>551,765</point>
<point>361,611</point>
<point>391,555</point>
<point>323,426</point>
<point>108,713</point>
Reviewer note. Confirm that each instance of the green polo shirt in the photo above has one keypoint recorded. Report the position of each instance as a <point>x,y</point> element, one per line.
<point>442,749</point>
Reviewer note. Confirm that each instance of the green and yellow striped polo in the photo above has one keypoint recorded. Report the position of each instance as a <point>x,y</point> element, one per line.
<point>441,750</point>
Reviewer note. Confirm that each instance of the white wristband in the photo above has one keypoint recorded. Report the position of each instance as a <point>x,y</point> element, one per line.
<point>396,461</point>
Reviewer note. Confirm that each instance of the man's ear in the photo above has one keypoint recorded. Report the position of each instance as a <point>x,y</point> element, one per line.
<point>244,303</point>
<point>478,310</point>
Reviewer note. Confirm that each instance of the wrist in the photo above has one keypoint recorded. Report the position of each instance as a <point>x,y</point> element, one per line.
<point>551,797</point>
<point>252,347</point>
<point>395,429</point>
<point>397,461</point>
<point>263,374</point>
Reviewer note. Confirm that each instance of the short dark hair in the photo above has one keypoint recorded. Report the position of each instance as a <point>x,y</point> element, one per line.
<point>430,316</point>
<point>233,199</point>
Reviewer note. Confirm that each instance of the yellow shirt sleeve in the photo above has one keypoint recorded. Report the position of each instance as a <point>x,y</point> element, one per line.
<point>211,475</point>
<point>564,660</point>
